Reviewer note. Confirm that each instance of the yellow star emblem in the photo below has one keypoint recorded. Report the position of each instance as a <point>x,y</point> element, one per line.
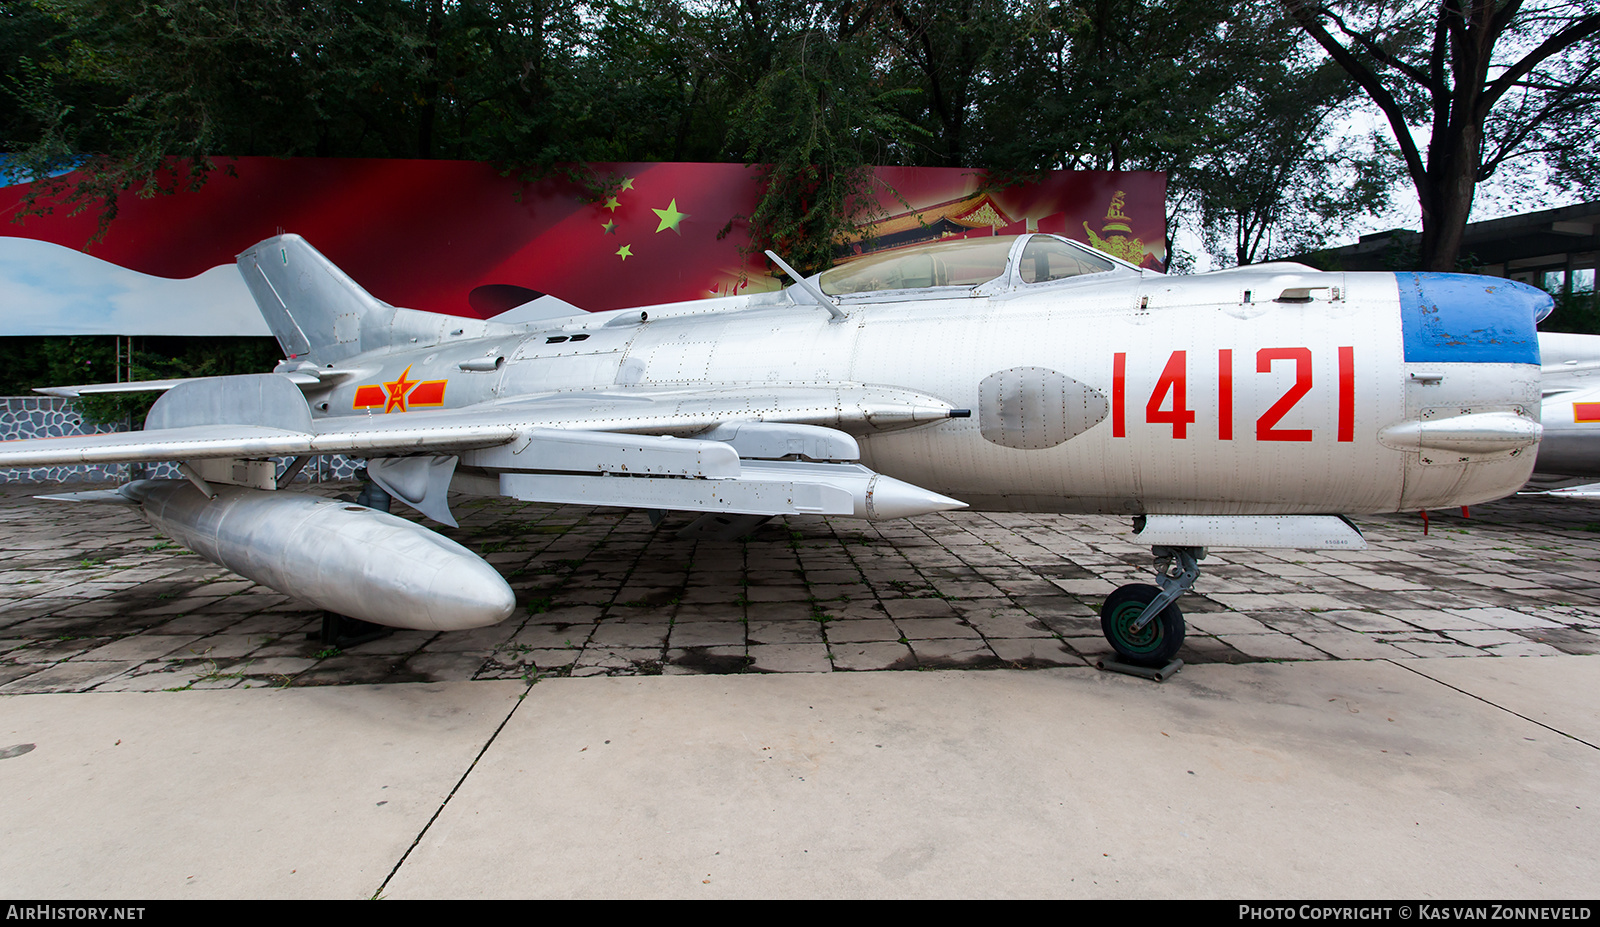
<point>611,203</point>
<point>627,183</point>
<point>626,251</point>
<point>670,217</point>
<point>610,228</point>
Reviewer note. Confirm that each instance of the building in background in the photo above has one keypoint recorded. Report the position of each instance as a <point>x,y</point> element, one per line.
<point>1555,249</point>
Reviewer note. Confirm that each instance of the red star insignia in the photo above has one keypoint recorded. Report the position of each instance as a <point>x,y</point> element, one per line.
<point>397,389</point>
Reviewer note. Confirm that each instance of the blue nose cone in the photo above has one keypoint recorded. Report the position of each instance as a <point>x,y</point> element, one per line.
<point>1465,318</point>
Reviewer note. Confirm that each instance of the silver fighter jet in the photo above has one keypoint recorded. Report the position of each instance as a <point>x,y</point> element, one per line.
<point>1248,408</point>
<point>1571,412</point>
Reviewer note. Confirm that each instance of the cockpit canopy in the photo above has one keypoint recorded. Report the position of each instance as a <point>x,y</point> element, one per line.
<point>963,267</point>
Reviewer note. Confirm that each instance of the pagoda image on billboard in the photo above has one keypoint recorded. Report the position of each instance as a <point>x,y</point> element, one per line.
<point>958,218</point>
<point>1116,236</point>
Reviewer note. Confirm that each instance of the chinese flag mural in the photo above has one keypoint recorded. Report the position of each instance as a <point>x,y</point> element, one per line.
<point>1089,206</point>
<point>456,237</point>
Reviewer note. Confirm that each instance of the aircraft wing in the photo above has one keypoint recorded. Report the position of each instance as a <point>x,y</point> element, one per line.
<point>720,450</point>
<point>201,442</point>
<point>304,376</point>
<point>96,389</point>
<point>265,415</point>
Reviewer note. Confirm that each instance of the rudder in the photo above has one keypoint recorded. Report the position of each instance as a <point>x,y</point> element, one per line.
<point>313,308</point>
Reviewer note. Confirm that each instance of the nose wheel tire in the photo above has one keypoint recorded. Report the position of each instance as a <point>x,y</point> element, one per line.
<point>1157,642</point>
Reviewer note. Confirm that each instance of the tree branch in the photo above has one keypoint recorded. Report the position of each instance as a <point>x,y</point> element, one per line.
<point>1369,82</point>
<point>1377,51</point>
<point>1579,31</point>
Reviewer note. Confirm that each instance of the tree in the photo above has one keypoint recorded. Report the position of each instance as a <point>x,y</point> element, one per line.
<point>148,97</point>
<point>1469,87</point>
<point>144,96</point>
<point>941,54</point>
<point>1271,183</point>
<point>1129,85</point>
<point>817,120</point>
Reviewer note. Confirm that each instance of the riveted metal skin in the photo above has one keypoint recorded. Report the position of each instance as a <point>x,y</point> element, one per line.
<point>1275,390</point>
<point>1120,391</point>
<point>345,558</point>
<point>1570,446</point>
<point>1036,407</point>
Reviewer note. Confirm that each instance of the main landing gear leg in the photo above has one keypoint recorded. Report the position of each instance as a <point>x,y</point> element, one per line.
<point>1143,623</point>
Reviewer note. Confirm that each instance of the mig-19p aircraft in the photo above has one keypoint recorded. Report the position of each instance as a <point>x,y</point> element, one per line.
<point>1244,408</point>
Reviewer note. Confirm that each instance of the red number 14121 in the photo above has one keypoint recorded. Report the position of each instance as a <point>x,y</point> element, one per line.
<point>1169,405</point>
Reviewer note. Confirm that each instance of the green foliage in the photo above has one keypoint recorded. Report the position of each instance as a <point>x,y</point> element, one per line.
<point>1116,84</point>
<point>120,87</point>
<point>1269,183</point>
<point>945,55</point>
<point>812,122</point>
<point>69,361</point>
<point>1574,312</point>
<point>154,96</point>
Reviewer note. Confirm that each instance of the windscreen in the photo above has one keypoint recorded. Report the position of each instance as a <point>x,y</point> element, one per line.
<point>964,262</point>
<point>1045,259</point>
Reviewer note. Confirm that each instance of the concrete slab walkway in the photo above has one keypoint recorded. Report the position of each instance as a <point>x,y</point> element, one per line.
<point>1314,779</point>
<point>788,717</point>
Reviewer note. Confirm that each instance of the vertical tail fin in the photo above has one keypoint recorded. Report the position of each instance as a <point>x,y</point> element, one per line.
<point>312,306</point>
<point>319,313</point>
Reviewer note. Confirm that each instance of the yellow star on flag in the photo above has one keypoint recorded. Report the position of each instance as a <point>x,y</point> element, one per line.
<point>670,217</point>
<point>611,203</point>
<point>610,228</point>
<point>626,251</point>
<point>627,183</point>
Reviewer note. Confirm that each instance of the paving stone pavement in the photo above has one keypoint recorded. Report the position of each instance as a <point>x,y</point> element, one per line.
<point>92,598</point>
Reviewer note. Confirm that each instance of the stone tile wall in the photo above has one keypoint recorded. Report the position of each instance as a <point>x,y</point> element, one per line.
<point>54,417</point>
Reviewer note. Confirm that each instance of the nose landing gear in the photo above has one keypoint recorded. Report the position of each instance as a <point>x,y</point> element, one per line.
<point>1143,623</point>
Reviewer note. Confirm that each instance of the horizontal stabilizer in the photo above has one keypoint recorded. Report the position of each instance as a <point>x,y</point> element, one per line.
<point>96,389</point>
<point>90,495</point>
<point>538,310</point>
<point>301,379</point>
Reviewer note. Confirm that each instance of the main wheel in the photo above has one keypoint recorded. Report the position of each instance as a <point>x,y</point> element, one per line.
<point>1157,642</point>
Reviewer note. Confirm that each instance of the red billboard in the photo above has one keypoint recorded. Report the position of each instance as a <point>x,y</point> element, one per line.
<point>460,238</point>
